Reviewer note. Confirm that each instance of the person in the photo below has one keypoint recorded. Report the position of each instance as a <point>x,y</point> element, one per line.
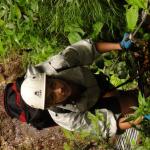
<point>65,86</point>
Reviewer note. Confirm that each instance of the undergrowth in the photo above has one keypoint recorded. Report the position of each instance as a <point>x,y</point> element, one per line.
<point>37,29</point>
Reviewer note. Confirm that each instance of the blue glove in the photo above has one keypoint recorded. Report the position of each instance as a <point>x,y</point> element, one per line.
<point>147,116</point>
<point>126,42</point>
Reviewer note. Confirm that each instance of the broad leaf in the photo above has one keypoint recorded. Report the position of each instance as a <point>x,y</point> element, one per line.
<point>97,27</point>
<point>74,37</point>
<point>3,13</point>
<point>140,3</point>
<point>132,17</point>
<point>2,22</point>
<point>73,28</point>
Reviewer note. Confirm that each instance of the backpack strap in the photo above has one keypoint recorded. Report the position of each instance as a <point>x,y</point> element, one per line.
<point>14,87</point>
<point>22,116</point>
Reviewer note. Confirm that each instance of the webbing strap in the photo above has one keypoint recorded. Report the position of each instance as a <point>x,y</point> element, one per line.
<point>14,87</point>
<point>22,116</point>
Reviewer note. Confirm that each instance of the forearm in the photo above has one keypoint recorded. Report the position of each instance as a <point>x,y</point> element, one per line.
<point>107,47</point>
<point>123,125</point>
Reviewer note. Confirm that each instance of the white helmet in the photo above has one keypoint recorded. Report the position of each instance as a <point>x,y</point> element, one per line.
<point>33,90</point>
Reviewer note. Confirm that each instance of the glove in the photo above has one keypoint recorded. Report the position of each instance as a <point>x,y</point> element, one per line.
<point>126,42</point>
<point>147,116</point>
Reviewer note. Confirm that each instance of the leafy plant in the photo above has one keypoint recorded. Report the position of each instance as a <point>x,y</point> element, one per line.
<point>144,105</point>
<point>80,19</point>
<point>132,12</point>
<point>88,139</point>
<point>36,29</point>
<point>139,3</point>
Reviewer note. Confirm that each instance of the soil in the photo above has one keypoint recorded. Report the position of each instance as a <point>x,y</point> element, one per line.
<point>15,135</point>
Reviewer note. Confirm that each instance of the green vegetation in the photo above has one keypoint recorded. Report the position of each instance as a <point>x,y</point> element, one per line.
<point>88,139</point>
<point>33,30</point>
<point>40,26</point>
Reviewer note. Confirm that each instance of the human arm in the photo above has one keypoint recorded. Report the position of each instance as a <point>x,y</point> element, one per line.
<point>107,47</point>
<point>86,51</point>
<point>76,121</point>
<point>81,53</point>
<point>78,54</point>
<point>123,124</point>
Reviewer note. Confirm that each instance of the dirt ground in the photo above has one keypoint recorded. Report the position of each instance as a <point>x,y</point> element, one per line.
<point>15,135</point>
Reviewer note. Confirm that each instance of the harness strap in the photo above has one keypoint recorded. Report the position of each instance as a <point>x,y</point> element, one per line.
<point>22,116</point>
<point>14,87</point>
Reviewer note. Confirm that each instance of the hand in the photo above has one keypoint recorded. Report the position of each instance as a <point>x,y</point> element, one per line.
<point>126,42</point>
<point>147,116</point>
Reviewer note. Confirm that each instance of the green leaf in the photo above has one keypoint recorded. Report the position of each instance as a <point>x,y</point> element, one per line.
<point>20,35</point>
<point>84,134</point>
<point>10,25</point>
<point>68,134</point>
<point>66,147</point>
<point>34,6</point>
<point>73,28</point>
<point>141,99</point>
<point>2,50</point>
<point>3,13</point>
<point>146,36</point>
<point>16,39</point>
<point>2,22</point>
<point>95,125</point>
<point>69,1</point>
<point>115,80</point>
<point>74,37</point>
<point>9,32</point>
<point>99,115</point>
<point>15,12</point>
<point>140,3</point>
<point>9,2</point>
<point>97,27</point>
<point>22,2</point>
<point>132,17</point>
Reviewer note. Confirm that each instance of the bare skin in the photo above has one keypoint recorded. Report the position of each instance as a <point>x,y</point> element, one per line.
<point>123,125</point>
<point>57,91</point>
<point>107,47</point>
